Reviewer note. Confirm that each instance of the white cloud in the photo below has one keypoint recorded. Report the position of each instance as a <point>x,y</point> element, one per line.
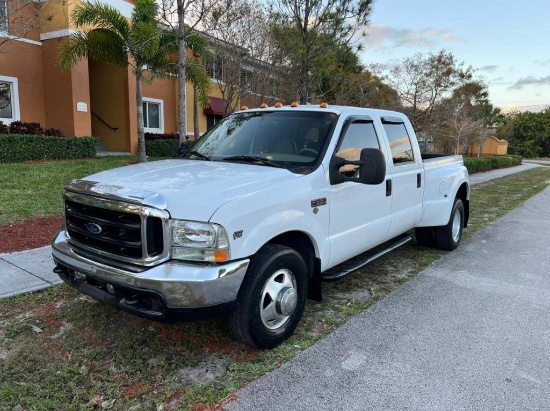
<point>489,69</point>
<point>542,62</point>
<point>530,81</point>
<point>384,37</point>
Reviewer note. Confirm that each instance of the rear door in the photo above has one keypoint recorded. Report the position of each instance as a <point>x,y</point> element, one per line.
<point>405,178</point>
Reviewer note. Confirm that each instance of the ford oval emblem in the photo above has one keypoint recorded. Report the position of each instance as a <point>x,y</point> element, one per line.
<point>94,228</point>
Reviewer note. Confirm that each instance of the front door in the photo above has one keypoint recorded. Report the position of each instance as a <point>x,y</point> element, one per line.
<point>359,213</point>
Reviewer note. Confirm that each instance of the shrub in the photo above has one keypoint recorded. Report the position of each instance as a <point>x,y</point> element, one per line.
<point>21,127</point>
<point>477,165</point>
<point>16,148</point>
<point>155,136</point>
<point>162,148</point>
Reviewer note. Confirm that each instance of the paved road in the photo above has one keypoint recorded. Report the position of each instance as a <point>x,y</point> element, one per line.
<point>471,332</point>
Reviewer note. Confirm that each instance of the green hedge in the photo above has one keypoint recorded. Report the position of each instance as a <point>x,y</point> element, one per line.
<point>477,165</point>
<point>16,148</point>
<point>162,148</point>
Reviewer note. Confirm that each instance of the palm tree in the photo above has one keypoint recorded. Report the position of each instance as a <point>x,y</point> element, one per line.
<point>141,43</point>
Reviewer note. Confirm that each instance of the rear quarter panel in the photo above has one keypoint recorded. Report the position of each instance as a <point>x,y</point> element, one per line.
<point>443,178</point>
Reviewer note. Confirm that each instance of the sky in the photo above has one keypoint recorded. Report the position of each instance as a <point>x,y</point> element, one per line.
<point>507,42</point>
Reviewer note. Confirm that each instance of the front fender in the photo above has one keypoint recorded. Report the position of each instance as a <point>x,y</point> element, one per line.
<point>252,221</point>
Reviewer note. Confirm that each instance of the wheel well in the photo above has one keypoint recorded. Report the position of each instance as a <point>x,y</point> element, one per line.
<point>299,242</point>
<point>462,193</point>
<point>305,247</point>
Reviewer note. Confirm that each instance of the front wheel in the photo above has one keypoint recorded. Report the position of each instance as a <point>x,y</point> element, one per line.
<point>271,299</point>
<point>448,236</point>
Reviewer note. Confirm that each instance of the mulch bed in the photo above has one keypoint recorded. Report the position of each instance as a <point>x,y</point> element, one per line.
<point>29,234</point>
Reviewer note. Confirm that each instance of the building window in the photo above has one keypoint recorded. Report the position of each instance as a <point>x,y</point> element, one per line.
<point>215,69</point>
<point>9,99</point>
<point>247,80</point>
<point>153,115</point>
<point>212,120</point>
<point>3,16</point>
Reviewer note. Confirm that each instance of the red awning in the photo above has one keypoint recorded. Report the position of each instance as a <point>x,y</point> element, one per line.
<point>216,106</point>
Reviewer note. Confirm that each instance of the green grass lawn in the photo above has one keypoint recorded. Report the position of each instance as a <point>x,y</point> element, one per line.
<point>33,190</point>
<point>88,353</point>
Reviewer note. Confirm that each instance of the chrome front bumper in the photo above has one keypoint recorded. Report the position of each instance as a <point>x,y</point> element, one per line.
<point>181,285</point>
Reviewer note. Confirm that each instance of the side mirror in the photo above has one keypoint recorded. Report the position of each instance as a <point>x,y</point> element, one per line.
<point>372,168</point>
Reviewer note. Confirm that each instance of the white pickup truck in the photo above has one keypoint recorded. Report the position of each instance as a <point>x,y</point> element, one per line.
<point>256,214</point>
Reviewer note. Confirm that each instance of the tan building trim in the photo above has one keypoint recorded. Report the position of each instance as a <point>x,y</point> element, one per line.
<point>56,34</point>
<point>24,40</point>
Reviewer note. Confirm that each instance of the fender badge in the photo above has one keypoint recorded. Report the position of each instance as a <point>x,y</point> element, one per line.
<point>237,234</point>
<point>318,202</point>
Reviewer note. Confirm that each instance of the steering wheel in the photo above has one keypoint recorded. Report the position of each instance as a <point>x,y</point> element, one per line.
<point>308,152</point>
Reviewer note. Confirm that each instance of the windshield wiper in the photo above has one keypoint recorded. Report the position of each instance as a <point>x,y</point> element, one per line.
<point>252,159</point>
<point>199,155</point>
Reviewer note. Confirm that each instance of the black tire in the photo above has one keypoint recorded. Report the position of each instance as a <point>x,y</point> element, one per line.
<point>425,236</point>
<point>265,316</point>
<point>448,236</point>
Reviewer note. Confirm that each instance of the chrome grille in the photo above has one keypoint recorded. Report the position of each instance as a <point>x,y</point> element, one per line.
<point>116,230</point>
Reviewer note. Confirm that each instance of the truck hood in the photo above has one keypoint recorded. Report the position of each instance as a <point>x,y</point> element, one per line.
<point>188,189</point>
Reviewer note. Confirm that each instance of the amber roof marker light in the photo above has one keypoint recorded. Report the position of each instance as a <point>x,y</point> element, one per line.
<point>323,105</point>
<point>264,105</point>
<point>294,104</point>
<point>244,107</point>
<point>277,105</point>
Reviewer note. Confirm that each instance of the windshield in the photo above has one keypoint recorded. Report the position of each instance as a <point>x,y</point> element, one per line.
<point>278,138</point>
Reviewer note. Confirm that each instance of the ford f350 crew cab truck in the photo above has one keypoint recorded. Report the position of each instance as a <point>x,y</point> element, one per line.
<point>256,214</point>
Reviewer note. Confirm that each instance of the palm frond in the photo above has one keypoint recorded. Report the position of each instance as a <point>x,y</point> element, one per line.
<point>145,11</point>
<point>100,45</point>
<point>145,40</point>
<point>196,42</point>
<point>196,75</point>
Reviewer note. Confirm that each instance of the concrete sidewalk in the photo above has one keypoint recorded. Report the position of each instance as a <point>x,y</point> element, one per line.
<point>26,271</point>
<point>31,270</point>
<point>471,332</point>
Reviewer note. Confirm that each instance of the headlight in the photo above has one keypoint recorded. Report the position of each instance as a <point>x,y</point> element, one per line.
<point>196,241</point>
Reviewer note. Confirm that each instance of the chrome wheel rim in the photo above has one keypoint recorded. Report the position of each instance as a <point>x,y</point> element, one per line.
<point>457,223</point>
<point>279,299</point>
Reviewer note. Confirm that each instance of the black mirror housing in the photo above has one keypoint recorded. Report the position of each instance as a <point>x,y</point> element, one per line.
<point>372,168</point>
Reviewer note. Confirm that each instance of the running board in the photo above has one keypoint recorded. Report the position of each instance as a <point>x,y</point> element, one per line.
<point>390,246</point>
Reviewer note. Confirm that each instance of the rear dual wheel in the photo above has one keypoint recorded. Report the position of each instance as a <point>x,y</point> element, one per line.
<point>446,237</point>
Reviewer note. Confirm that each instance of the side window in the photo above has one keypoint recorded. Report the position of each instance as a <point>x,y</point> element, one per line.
<point>400,143</point>
<point>359,135</point>
<point>153,115</point>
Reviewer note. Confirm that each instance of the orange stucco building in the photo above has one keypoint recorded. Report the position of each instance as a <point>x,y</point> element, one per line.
<point>93,98</point>
<point>492,146</point>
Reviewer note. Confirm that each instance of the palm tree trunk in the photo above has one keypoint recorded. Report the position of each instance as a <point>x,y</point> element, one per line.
<point>182,58</point>
<point>142,155</point>
<point>195,114</point>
